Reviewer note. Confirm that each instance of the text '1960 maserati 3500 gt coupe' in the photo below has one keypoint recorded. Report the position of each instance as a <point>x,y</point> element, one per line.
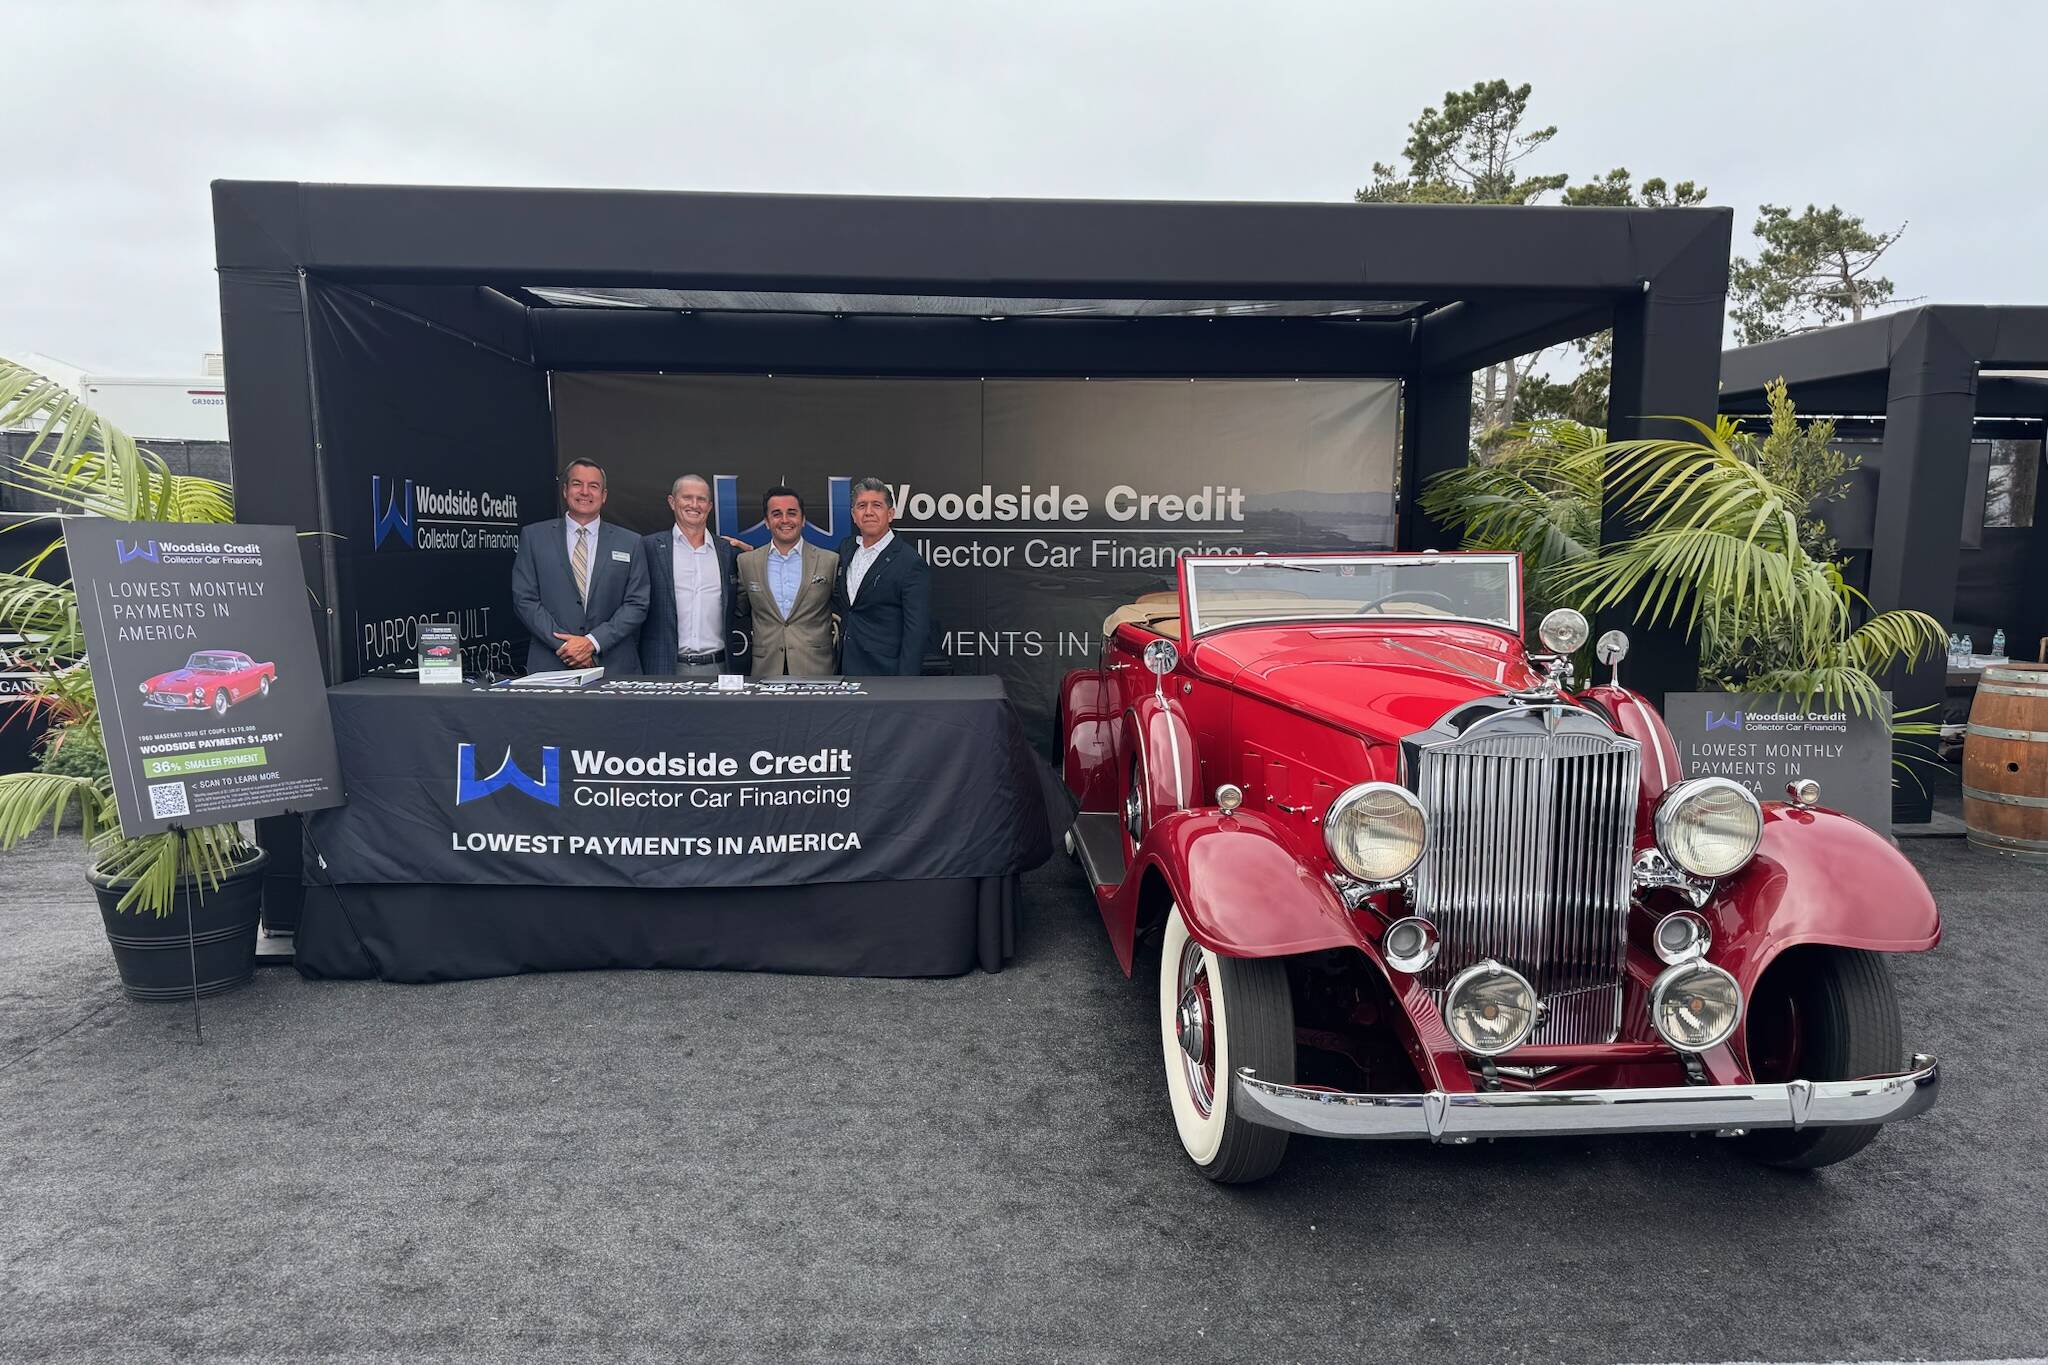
<point>1406,882</point>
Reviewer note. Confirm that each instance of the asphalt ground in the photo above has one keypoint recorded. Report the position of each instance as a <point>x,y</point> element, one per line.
<point>733,1167</point>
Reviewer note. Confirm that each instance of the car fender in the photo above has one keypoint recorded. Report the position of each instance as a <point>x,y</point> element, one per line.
<point>1242,888</point>
<point>1818,877</point>
<point>1157,729</point>
<point>1636,719</point>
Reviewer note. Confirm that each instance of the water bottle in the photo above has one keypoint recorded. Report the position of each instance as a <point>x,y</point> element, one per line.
<point>1969,651</point>
<point>1955,647</point>
<point>1998,644</point>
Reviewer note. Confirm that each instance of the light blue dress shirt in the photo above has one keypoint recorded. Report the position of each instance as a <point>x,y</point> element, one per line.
<point>785,577</point>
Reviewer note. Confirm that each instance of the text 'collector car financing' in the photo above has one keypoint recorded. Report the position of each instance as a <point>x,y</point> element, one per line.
<point>1405,882</point>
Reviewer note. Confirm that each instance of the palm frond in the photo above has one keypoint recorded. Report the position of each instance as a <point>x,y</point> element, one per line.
<point>33,800</point>
<point>205,854</point>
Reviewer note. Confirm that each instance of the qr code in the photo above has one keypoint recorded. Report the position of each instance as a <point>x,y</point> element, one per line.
<point>167,799</point>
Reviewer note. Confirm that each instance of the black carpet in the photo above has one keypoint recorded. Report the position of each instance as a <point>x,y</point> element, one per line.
<point>734,1167</point>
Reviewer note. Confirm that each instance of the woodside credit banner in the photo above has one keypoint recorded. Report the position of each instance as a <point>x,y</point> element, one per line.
<point>210,692</point>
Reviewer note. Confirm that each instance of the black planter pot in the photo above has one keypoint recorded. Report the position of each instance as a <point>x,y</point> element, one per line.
<point>152,952</point>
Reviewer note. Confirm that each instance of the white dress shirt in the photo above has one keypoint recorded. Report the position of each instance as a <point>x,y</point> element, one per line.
<point>864,557</point>
<point>569,530</point>
<point>698,594</point>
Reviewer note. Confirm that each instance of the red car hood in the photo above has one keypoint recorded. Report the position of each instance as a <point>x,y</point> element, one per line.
<point>177,680</point>
<point>1380,681</point>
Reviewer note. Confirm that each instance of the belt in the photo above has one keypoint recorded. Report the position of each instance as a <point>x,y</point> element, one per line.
<point>700,656</point>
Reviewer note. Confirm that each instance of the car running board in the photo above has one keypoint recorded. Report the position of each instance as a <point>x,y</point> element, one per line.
<point>1098,841</point>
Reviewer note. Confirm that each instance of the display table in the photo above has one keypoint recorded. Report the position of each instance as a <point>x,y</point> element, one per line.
<point>655,823</point>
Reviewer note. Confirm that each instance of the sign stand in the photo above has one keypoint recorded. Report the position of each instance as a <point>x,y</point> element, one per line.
<point>191,950</point>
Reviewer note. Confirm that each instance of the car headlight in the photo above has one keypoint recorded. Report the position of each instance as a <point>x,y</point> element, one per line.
<point>1375,831</point>
<point>1709,826</point>
<point>199,694</point>
<point>143,688</point>
<point>1695,1006</point>
<point>1490,1008</point>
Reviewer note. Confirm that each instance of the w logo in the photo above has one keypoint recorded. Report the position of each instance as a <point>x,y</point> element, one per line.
<point>1724,720</point>
<point>470,787</point>
<point>125,550</point>
<point>838,509</point>
<point>389,515</point>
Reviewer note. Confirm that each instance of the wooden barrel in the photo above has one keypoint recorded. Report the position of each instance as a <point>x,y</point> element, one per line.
<point>2005,762</point>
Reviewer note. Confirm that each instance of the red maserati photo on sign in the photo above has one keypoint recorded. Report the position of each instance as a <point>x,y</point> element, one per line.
<point>218,678</point>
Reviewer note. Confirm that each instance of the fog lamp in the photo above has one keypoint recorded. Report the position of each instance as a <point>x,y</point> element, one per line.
<point>1563,631</point>
<point>1695,1006</point>
<point>1375,831</point>
<point>1709,826</point>
<point>1409,945</point>
<point>1490,1008</point>
<point>1682,935</point>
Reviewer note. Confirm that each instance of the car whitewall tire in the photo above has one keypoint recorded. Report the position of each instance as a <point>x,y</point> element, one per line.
<point>1217,1014</point>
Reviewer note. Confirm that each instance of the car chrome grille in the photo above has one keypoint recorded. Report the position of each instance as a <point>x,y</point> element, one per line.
<point>1531,832</point>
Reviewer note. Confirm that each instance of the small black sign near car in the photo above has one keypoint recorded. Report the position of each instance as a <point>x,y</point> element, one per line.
<point>209,684</point>
<point>1766,741</point>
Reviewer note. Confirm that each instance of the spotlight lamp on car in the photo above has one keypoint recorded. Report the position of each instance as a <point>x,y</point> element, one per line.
<point>1376,831</point>
<point>1695,1006</point>
<point>1563,631</point>
<point>1709,826</point>
<point>1490,1008</point>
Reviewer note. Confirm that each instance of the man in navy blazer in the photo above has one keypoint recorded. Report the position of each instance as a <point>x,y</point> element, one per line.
<point>698,622</point>
<point>579,585</point>
<point>883,595</point>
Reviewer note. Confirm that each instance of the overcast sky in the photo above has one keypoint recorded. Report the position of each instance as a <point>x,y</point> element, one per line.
<point>121,115</point>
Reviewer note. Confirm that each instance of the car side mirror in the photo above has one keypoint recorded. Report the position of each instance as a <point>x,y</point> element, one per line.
<point>1611,649</point>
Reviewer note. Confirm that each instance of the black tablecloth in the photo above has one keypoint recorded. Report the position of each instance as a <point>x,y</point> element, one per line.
<point>632,824</point>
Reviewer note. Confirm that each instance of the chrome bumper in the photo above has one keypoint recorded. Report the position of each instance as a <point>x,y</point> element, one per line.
<point>1462,1117</point>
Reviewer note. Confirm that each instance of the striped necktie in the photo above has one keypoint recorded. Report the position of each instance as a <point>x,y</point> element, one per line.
<point>580,562</point>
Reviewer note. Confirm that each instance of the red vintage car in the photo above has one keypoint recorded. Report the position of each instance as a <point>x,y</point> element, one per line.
<point>212,677</point>
<point>1405,881</point>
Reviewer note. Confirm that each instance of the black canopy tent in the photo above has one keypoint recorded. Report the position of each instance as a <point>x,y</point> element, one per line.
<point>378,327</point>
<point>1918,377</point>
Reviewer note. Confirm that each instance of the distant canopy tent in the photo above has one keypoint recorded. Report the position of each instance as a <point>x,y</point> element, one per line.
<point>395,341</point>
<point>1936,399</point>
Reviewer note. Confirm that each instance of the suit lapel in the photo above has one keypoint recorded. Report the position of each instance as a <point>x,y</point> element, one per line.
<point>808,568</point>
<point>879,568</point>
<point>661,573</point>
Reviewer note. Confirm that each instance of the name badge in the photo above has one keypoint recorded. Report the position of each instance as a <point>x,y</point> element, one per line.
<point>625,556</point>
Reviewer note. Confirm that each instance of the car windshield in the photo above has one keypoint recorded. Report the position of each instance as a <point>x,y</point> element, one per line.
<point>213,663</point>
<point>1227,592</point>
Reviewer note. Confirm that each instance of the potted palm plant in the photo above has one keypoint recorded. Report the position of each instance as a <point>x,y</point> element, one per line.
<point>181,908</point>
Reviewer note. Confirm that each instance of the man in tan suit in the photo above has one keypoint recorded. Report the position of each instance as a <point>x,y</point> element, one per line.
<point>788,583</point>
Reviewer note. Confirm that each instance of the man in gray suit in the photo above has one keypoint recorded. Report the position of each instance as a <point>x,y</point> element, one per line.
<point>580,583</point>
<point>788,584</point>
